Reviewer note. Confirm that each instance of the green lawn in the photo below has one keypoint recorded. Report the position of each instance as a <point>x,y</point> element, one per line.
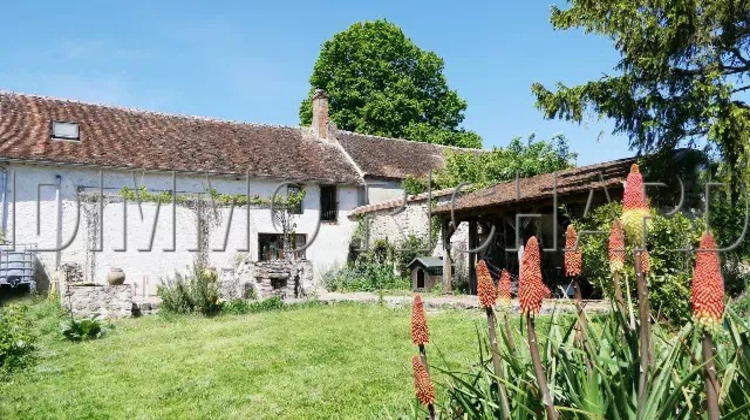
<point>340,361</point>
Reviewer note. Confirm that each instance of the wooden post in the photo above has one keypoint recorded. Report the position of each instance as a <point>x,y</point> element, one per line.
<point>473,241</point>
<point>447,263</point>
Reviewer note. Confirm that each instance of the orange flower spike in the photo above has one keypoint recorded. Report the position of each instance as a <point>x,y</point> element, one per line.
<point>422,384</point>
<point>573,258</point>
<point>531,288</point>
<point>634,196</point>
<point>634,205</point>
<point>503,286</point>
<point>707,298</point>
<point>419,332</point>
<point>485,287</point>
<point>616,247</point>
<point>645,262</point>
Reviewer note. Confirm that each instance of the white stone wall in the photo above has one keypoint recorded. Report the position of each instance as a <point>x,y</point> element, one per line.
<point>382,190</point>
<point>147,268</point>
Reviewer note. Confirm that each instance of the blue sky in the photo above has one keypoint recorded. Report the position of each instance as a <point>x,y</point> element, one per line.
<point>250,61</point>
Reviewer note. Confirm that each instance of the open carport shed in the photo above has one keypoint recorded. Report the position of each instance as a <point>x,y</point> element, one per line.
<point>508,213</point>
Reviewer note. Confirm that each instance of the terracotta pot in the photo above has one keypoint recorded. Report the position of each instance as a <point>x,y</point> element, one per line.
<point>116,276</point>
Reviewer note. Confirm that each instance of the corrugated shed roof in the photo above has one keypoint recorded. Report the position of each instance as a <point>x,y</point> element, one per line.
<point>398,202</point>
<point>570,181</point>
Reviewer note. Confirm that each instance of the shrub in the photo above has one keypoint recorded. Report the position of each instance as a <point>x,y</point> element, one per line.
<point>16,339</point>
<point>45,316</point>
<point>364,277</point>
<point>80,330</point>
<point>240,306</point>
<point>669,278</point>
<point>196,293</point>
<point>236,307</point>
<point>741,305</point>
<point>175,296</point>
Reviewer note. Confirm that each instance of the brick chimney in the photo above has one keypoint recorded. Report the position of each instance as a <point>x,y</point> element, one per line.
<point>320,114</point>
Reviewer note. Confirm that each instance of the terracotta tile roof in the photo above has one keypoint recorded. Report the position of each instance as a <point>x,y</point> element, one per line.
<point>397,202</point>
<point>123,138</point>
<point>570,181</point>
<point>394,158</point>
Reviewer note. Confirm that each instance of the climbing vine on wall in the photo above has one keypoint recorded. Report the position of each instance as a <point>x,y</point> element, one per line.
<point>290,201</point>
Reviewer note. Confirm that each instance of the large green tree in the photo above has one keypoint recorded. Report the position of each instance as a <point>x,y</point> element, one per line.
<point>682,77</point>
<point>518,158</point>
<point>379,82</point>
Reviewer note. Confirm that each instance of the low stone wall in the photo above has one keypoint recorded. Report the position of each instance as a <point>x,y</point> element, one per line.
<point>104,301</point>
<point>284,278</point>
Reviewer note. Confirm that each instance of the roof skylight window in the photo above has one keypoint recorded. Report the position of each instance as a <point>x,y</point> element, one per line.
<point>65,130</point>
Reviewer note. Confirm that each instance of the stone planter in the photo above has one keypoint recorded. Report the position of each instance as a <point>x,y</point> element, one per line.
<point>116,276</point>
<point>102,301</point>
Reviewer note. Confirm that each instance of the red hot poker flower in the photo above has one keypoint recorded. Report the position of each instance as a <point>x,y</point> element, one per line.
<point>573,258</point>
<point>634,196</point>
<point>634,205</point>
<point>485,287</point>
<point>422,384</point>
<point>645,262</point>
<point>531,288</point>
<point>503,286</point>
<point>707,297</point>
<point>419,333</point>
<point>616,247</point>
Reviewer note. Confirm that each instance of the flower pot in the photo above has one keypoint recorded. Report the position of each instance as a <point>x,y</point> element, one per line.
<point>116,276</point>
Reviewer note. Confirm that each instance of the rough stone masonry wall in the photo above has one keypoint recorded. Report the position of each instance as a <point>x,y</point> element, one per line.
<point>414,219</point>
<point>283,278</point>
<point>103,301</point>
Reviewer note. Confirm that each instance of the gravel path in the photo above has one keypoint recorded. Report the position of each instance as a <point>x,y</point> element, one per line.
<point>458,302</point>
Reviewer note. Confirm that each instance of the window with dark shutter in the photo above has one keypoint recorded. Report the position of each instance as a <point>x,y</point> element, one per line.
<point>328,204</point>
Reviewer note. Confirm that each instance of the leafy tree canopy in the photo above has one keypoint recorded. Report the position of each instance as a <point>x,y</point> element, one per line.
<point>379,82</point>
<point>524,159</point>
<point>682,76</point>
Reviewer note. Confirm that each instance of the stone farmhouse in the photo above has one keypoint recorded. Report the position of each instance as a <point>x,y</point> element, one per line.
<point>64,164</point>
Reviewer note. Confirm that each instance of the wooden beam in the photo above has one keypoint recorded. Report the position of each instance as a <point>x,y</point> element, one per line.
<point>447,262</point>
<point>473,243</point>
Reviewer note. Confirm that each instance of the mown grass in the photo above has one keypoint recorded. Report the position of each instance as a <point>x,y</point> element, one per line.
<point>338,361</point>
